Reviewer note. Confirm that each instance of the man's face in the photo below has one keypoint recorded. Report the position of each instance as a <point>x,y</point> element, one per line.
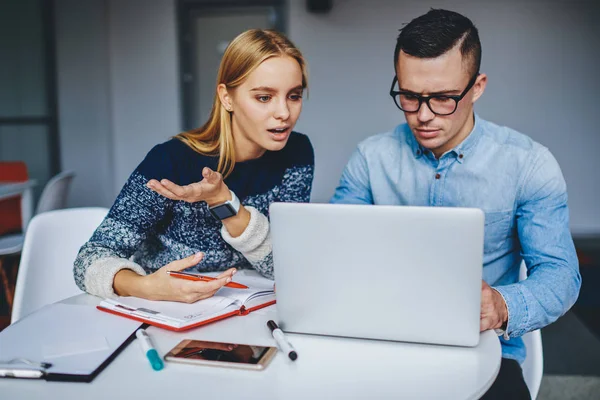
<point>447,74</point>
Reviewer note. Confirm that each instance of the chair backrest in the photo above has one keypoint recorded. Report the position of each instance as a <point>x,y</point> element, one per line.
<point>52,242</point>
<point>10,209</point>
<point>54,195</point>
<point>533,366</point>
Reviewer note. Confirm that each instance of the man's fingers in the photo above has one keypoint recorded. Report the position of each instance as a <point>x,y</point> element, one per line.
<point>186,262</point>
<point>484,324</point>
<point>489,321</point>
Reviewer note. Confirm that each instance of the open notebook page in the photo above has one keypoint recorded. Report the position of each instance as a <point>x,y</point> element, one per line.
<point>171,312</point>
<point>259,288</point>
<point>176,314</point>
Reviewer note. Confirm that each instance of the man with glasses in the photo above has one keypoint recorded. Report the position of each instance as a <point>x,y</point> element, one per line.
<point>445,155</point>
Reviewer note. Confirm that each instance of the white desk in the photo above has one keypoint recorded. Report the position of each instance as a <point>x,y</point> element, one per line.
<point>327,368</point>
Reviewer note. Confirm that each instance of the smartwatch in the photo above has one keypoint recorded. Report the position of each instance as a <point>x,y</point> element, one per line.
<point>225,210</point>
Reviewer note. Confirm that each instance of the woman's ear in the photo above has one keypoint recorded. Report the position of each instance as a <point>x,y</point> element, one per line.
<point>225,97</point>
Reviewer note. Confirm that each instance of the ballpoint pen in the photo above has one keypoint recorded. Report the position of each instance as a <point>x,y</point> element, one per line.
<point>197,277</point>
<point>38,370</point>
<point>149,350</point>
<point>281,340</point>
<point>21,373</point>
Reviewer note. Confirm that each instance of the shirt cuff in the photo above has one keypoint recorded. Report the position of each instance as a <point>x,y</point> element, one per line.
<point>100,275</point>
<point>517,311</point>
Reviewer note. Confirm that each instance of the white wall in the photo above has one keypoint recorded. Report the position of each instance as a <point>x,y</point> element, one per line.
<point>85,125</point>
<point>540,56</point>
<point>144,79</point>
<point>118,89</point>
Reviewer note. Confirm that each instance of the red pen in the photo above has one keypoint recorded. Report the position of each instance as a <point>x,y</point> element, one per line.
<point>197,277</point>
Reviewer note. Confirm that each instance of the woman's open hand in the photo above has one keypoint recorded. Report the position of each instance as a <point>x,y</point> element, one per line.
<point>210,189</point>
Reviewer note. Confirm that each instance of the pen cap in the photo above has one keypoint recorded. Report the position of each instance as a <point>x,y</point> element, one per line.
<point>272,325</point>
<point>155,360</point>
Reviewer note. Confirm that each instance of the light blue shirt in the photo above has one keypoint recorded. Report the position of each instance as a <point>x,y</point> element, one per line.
<point>515,181</point>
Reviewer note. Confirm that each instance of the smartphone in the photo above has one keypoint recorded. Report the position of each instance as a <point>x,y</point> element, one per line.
<point>221,354</point>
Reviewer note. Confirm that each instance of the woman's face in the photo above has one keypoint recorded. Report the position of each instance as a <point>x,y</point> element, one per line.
<point>265,107</point>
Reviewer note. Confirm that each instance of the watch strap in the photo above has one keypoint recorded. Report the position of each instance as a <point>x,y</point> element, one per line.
<point>235,202</point>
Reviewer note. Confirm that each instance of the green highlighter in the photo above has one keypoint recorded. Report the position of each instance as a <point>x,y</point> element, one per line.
<point>149,350</point>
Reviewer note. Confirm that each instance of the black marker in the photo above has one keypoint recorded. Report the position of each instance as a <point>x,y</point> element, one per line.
<point>282,342</point>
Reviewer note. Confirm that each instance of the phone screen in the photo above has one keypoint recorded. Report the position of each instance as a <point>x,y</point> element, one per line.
<point>219,352</point>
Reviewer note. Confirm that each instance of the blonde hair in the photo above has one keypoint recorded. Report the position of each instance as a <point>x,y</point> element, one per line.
<point>243,55</point>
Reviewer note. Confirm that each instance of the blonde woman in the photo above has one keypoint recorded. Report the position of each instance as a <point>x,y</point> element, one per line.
<point>200,200</point>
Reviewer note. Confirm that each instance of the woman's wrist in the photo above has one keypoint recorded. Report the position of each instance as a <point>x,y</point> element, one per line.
<point>128,283</point>
<point>221,197</point>
<point>237,224</point>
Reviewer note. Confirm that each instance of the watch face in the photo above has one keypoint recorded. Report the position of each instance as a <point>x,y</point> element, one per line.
<point>222,211</point>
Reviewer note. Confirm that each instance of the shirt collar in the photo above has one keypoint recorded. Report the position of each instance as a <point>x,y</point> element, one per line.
<point>416,148</point>
<point>470,141</point>
<point>461,151</point>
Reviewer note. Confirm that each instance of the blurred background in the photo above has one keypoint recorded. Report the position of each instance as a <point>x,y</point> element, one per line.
<point>89,86</point>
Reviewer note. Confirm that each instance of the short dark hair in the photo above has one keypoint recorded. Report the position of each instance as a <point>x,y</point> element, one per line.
<point>435,33</point>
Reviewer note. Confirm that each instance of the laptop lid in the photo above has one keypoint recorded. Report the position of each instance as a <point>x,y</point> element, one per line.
<point>380,272</point>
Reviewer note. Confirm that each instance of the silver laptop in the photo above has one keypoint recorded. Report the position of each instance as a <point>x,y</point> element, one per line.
<point>379,272</point>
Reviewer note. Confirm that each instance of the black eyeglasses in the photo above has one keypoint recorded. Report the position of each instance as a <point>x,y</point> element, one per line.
<point>439,104</point>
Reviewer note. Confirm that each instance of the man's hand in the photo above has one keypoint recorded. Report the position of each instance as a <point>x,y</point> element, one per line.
<point>494,313</point>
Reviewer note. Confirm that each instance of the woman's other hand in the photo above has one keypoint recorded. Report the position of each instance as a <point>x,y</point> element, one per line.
<point>161,286</point>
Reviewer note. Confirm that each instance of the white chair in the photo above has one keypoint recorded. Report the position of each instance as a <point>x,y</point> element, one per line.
<point>533,366</point>
<point>55,193</point>
<point>11,244</point>
<point>52,242</point>
<point>53,197</point>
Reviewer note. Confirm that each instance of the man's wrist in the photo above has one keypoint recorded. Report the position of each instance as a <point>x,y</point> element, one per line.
<point>501,303</point>
<point>503,314</point>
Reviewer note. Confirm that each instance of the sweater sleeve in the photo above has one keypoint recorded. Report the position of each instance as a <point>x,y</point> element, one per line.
<point>135,215</point>
<point>255,242</point>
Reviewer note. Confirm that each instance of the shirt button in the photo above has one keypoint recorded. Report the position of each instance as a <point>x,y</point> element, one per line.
<point>437,176</point>
<point>418,152</point>
<point>460,156</point>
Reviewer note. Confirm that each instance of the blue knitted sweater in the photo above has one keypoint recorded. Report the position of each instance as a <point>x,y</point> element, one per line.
<point>144,231</point>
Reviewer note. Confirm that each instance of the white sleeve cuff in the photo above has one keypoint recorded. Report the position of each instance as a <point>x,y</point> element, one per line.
<point>502,332</point>
<point>255,242</point>
<point>100,275</point>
